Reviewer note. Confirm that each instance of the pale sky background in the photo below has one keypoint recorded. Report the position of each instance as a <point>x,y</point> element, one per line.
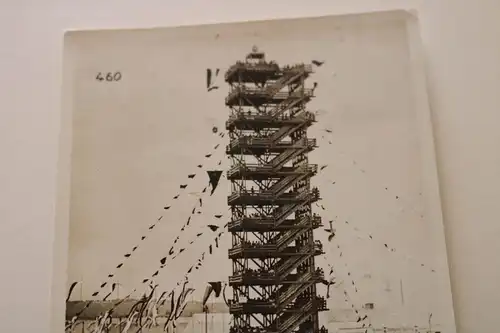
<point>136,140</point>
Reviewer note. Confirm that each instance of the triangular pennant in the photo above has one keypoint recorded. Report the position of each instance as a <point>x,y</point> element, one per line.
<point>217,287</point>
<point>214,177</point>
<point>209,77</point>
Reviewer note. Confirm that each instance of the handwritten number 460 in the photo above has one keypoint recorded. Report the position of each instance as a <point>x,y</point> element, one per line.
<point>116,76</point>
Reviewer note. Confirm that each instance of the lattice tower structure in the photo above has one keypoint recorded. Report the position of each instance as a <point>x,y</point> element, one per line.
<point>274,276</point>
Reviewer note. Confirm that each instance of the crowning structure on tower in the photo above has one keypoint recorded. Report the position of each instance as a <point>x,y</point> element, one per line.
<point>273,249</point>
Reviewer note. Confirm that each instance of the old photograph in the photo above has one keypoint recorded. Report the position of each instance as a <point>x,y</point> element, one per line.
<point>258,177</point>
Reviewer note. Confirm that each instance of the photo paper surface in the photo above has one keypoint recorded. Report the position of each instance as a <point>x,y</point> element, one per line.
<point>274,176</point>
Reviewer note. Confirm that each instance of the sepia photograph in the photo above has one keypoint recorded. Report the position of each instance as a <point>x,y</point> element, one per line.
<point>257,177</point>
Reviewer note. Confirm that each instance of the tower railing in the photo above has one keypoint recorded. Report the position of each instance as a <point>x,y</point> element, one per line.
<point>283,239</point>
<point>296,319</point>
<point>269,117</point>
<point>288,77</point>
<point>253,92</point>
